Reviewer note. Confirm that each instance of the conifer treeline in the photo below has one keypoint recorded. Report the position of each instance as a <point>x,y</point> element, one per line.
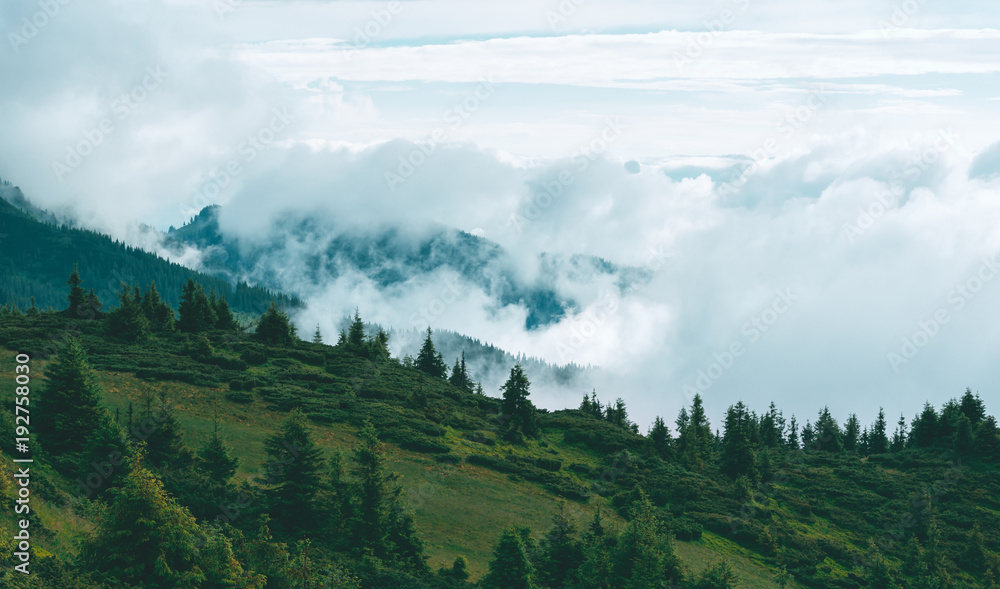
<point>35,257</point>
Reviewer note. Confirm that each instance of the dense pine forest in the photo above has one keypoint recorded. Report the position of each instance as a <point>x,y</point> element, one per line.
<point>35,258</point>
<point>153,469</point>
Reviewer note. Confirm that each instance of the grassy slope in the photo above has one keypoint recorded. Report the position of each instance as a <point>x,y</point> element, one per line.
<point>459,508</point>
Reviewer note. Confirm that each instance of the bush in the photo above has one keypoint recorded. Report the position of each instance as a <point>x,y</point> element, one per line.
<point>686,530</point>
<point>254,357</point>
<point>548,464</point>
<point>239,397</point>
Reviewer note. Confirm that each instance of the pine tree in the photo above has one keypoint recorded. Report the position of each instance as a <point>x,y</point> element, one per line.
<point>643,558</point>
<point>293,474</point>
<point>76,298</point>
<point>383,526</point>
<point>356,334</point>
<point>808,437</point>
<point>317,336</point>
<point>158,313</point>
<point>973,407</point>
<point>659,439</point>
<point>516,405</point>
<point>429,360</point>
<point>196,309</point>
<point>899,437</point>
<point>460,375</point>
<point>128,321</point>
<point>215,458</point>
<point>772,426</point>
<point>738,455</point>
<point>695,439</point>
<point>879,571</point>
<point>925,427</point>
<point>852,431</point>
<point>878,443</point>
<point>378,347</point>
<point>963,436</point>
<point>793,435</point>
<point>275,327</point>
<point>145,538</point>
<point>224,316</point>
<point>165,443</point>
<point>827,431</point>
<point>561,553</point>
<point>69,406</point>
<point>459,569</point>
<point>510,567</point>
<point>986,440</point>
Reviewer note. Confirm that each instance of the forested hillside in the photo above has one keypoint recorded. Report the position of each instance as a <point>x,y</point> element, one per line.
<point>36,258</point>
<point>177,450</point>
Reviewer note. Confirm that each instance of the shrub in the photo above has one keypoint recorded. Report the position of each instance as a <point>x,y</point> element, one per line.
<point>239,397</point>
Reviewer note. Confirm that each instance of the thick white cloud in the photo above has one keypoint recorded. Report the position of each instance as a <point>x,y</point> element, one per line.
<point>756,147</point>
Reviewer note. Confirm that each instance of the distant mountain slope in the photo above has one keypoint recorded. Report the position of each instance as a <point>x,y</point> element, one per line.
<point>36,258</point>
<point>387,257</point>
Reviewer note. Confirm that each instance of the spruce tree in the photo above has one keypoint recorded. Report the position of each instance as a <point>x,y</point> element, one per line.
<point>878,443</point>
<point>317,336</point>
<point>852,431</point>
<point>224,315</point>
<point>215,458</point>
<point>356,334</point>
<point>899,437</point>
<point>460,375</point>
<point>828,435</point>
<point>429,360</point>
<point>973,407</point>
<point>165,443</point>
<point>986,440</point>
<point>76,298</point>
<point>659,439</point>
<point>196,311</point>
<point>738,455</point>
<point>158,312</point>
<point>293,475</point>
<point>925,427</point>
<point>643,558</point>
<point>128,322</point>
<point>561,553</point>
<point>69,404</point>
<point>793,435</point>
<point>145,537</point>
<point>510,567</point>
<point>516,405</point>
<point>695,440</point>
<point>275,327</point>
<point>383,526</point>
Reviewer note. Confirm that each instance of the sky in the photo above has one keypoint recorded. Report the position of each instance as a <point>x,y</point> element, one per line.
<point>813,188</point>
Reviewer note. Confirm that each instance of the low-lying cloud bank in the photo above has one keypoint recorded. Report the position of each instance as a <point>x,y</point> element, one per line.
<point>852,275</point>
